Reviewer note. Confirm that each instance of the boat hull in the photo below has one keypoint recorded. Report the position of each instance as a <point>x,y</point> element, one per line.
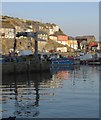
<point>62,61</point>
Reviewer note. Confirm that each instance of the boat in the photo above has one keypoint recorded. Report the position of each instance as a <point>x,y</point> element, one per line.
<point>90,59</point>
<point>10,118</point>
<point>62,61</point>
<point>58,59</point>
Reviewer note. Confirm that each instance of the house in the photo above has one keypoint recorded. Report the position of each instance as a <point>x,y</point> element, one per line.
<point>51,28</point>
<point>6,30</point>
<point>42,40</point>
<point>55,27</point>
<point>62,38</point>
<point>99,45</point>
<point>28,29</point>
<point>45,27</point>
<point>84,40</point>
<point>42,36</point>
<point>72,42</point>
<point>39,27</point>
<point>50,31</point>
<point>90,38</point>
<point>53,37</point>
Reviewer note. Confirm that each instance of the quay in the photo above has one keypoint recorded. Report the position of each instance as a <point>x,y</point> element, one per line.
<point>25,67</point>
<point>43,63</point>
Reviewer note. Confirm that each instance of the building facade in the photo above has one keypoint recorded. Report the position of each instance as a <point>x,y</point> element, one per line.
<point>53,37</point>
<point>62,39</point>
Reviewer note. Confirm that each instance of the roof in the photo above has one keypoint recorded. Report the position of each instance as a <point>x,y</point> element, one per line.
<point>61,34</point>
<point>53,35</point>
<point>70,38</point>
<point>80,37</point>
<point>90,37</point>
<point>93,44</point>
<point>85,37</point>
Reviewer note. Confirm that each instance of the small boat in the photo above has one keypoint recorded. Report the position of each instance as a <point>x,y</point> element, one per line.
<point>62,61</point>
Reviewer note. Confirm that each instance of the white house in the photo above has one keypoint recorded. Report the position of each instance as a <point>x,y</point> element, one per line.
<point>50,31</point>
<point>51,28</point>
<point>42,36</point>
<point>55,28</point>
<point>53,37</point>
<point>99,45</point>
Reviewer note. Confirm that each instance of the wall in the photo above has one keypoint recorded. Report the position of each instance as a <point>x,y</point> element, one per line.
<point>24,67</point>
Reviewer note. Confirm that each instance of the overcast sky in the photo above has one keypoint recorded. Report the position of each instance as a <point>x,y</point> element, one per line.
<point>74,18</point>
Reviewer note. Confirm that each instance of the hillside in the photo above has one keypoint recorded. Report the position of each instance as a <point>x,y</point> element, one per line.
<point>23,43</point>
<point>53,45</point>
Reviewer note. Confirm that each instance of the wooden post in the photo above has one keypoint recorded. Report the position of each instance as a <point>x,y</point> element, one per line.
<point>14,41</point>
<point>36,45</point>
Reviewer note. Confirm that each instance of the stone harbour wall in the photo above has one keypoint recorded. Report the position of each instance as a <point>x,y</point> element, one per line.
<point>24,67</point>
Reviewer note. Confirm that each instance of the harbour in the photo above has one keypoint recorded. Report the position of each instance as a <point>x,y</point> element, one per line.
<point>50,61</point>
<point>41,95</point>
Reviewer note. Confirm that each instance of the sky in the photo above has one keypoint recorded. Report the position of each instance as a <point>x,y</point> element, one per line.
<point>74,18</point>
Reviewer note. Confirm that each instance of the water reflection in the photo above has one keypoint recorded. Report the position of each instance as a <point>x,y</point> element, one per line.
<point>27,106</point>
<point>30,95</point>
<point>24,89</point>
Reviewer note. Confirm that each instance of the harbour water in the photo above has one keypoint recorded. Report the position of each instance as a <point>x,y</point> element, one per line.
<point>68,92</point>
